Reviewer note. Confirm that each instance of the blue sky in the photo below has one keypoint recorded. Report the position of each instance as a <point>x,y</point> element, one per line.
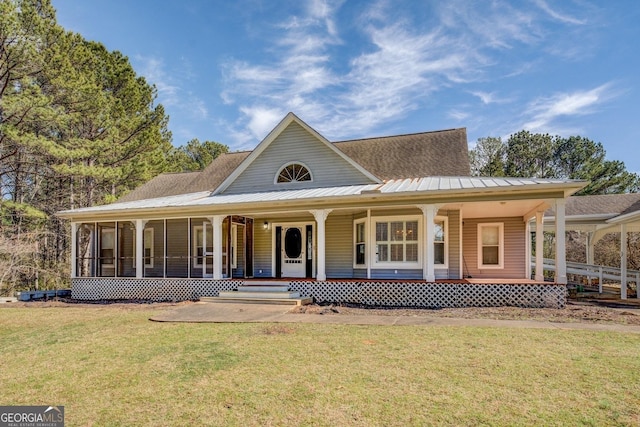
<point>228,71</point>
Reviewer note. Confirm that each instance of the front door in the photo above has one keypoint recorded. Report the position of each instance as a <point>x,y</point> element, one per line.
<point>293,247</point>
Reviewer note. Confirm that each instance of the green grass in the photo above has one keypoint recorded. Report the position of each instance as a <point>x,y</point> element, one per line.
<point>112,367</point>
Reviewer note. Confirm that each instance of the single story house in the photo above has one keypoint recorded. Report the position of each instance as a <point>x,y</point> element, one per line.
<point>394,220</point>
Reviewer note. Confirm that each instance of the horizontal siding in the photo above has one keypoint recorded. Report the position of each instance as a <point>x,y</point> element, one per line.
<point>454,245</point>
<point>412,274</point>
<point>295,144</point>
<point>262,250</point>
<point>514,250</point>
<point>339,244</point>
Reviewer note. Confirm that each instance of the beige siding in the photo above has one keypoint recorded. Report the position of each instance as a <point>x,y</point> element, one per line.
<point>453,272</point>
<point>295,144</point>
<point>339,244</point>
<point>514,248</point>
<point>262,250</point>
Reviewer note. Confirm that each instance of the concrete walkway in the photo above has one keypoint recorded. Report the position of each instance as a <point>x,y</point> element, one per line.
<point>255,313</point>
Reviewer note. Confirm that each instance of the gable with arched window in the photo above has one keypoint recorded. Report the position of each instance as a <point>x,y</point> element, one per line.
<point>293,172</point>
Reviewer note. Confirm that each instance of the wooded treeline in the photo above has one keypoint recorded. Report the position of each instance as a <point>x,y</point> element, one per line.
<point>78,127</point>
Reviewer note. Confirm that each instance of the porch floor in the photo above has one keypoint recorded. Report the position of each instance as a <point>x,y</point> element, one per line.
<point>273,281</point>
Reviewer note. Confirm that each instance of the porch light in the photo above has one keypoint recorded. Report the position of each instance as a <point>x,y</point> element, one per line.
<point>265,226</point>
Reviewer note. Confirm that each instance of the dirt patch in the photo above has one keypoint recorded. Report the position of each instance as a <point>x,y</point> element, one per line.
<point>574,312</point>
<point>108,304</point>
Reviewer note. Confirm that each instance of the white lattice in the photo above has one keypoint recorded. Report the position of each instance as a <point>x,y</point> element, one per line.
<point>374,293</point>
<point>149,289</point>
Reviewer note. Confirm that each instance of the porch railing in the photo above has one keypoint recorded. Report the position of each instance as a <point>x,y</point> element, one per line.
<point>591,271</point>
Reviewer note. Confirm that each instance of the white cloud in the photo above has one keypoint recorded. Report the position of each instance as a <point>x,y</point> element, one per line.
<point>346,93</point>
<point>542,4</point>
<point>262,119</point>
<point>489,97</point>
<point>544,112</point>
<point>459,115</point>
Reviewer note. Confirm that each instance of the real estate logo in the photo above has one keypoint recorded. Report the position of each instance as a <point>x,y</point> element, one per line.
<point>31,416</point>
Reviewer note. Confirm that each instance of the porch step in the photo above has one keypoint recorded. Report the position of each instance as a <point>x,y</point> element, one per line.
<point>263,288</point>
<point>259,295</point>
<point>240,299</point>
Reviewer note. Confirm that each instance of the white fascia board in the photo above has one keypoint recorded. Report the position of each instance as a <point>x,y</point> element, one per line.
<point>626,218</point>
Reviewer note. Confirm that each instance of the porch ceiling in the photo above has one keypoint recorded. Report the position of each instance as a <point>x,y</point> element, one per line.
<point>493,209</point>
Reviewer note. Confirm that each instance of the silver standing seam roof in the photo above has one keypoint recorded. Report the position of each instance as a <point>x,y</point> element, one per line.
<point>396,186</point>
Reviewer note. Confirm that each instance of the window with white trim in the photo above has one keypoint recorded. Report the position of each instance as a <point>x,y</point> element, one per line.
<point>198,244</point>
<point>360,246</point>
<point>440,243</point>
<point>148,248</point>
<point>293,172</point>
<point>491,245</point>
<point>396,242</point>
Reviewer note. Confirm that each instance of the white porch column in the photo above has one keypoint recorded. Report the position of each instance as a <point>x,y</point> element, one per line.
<point>321,216</point>
<point>561,251</point>
<point>216,222</point>
<point>623,261</point>
<point>140,223</point>
<point>590,247</point>
<point>428,267</point>
<point>74,249</point>
<point>539,247</point>
<point>370,244</point>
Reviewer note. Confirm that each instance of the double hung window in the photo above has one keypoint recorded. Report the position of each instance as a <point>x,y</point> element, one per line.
<point>491,245</point>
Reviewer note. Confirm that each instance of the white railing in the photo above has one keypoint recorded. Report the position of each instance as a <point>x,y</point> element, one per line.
<point>591,271</point>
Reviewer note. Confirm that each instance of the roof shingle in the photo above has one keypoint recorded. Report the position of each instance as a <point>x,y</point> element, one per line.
<point>438,153</point>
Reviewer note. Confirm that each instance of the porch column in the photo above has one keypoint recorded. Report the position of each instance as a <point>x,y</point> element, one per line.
<point>140,223</point>
<point>428,267</point>
<point>561,252</point>
<point>74,249</point>
<point>216,222</point>
<point>590,246</point>
<point>623,261</point>
<point>369,244</point>
<point>539,247</point>
<point>321,216</point>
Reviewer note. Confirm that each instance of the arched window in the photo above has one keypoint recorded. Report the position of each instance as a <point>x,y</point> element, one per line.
<point>293,172</point>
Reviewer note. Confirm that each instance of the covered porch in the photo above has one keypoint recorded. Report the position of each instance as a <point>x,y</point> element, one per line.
<point>390,293</point>
<point>401,239</point>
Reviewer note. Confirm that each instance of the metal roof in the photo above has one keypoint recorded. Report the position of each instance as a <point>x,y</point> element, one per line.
<point>417,185</point>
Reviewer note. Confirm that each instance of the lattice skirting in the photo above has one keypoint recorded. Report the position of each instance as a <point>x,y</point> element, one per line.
<point>149,289</point>
<point>434,295</point>
<point>393,294</point>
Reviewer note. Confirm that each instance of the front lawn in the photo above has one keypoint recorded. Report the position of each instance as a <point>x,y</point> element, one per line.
<point>111,366</point>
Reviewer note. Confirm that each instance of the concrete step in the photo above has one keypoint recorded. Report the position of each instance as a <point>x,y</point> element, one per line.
<point>267,282</point>
<point>263,288</point>
<point>259,295</point>
<point>284,301</point>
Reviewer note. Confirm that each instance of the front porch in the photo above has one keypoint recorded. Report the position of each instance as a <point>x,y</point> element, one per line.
<point>391,293</point>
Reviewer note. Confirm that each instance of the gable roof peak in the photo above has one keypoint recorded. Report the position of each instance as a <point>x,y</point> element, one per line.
<point>280,127</point>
